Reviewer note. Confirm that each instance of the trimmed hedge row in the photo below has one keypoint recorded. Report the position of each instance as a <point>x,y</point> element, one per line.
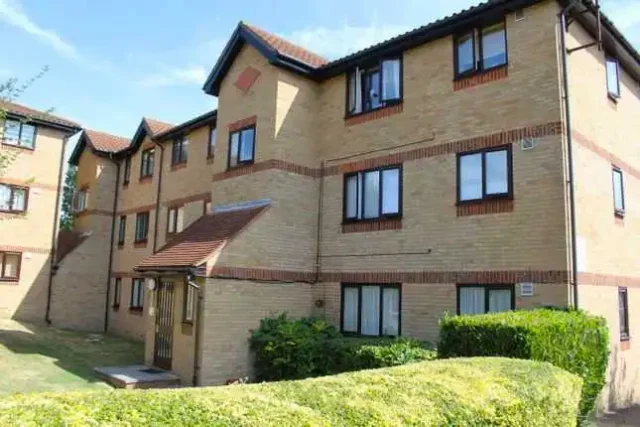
<point>569,339</point>
<point>460,392</point>
<point>285,348</point>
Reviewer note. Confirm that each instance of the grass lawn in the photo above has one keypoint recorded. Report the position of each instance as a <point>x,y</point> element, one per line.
<point>41,358</point>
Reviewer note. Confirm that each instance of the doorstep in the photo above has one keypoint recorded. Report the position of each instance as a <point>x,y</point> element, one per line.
<point>138,377</point>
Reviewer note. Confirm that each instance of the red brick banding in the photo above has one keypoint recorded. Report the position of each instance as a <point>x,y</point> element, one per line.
<point>87,212</point>
<point>204,197</point>
<point>592,146</point>
<point>481,78</point>
<point>28,183</point>
<point>147,208</point>
<point>178,166</point>
<point>11,248</point>
<point>372,226</point>
<point>261,274</point>
<point>374,115</point>
<point>485,207</point>
<point>281,165</point>
<point>597,279</point>
<point>242,123</point>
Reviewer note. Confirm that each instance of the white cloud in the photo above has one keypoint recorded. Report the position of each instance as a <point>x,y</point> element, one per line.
<point>12,13</point>
<point>176,76</point>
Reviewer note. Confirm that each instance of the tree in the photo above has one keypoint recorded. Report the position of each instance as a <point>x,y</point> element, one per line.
<point>66,217</point>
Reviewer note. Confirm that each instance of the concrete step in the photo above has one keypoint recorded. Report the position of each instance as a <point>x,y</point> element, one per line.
<point>138,377</point>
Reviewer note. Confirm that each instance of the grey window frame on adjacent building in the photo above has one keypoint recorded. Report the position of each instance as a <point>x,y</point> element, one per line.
<point>147,163</point>
<point>122,230</point>
<point>179,151</point>
<point>11,202</point>
<point>3,266</point>
<point>477,38</point>
<point>117,291</point>
<point>374,85</point>
<point>618,192</point>
<point>126,171</point>
<point>190,303</point>
<point>211,143</point>
<point>19,141</point>
<point>142,227</point>
<point>355,327</point>
<point>612,68</point>
<point>484,194</point>
<point>173,216</point>
<point>240,133</point>
<point>80,199</point>
<point>487,289</point>
<point>362,211</point>
<point>136,302</point>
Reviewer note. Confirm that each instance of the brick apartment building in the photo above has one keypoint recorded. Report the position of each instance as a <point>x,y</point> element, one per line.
<point>458,168</point>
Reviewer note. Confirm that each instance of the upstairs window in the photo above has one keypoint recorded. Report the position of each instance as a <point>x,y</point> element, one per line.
<point>127,171</point>
<point>10,266</point>
<point>480,49</point>
<point>481,299</point>
<point>117,290</point>
<point>13,198</point>
<point>371,310</point>
<point>179,151</point>
<point>613,77</point>
<point>242,146</point>
<point>373,194</point>
<point>80,200</point>
<point>485,174</point>
<point>137,295</point>
<point>377,86</point>
<point>142,227</point>
<point>618,192</point>
<point>211,146</point>
<point>19,134</point>
<point>623,311</point>
<point>175,220</point>
<point>147,163</point>
<point>122,231</point>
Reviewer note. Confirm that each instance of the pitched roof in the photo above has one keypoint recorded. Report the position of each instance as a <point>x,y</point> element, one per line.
<point>285,47</point>
<point>105,142</point>
<point>156,127</point>
<point>39,116</point>
<point>201,239</point>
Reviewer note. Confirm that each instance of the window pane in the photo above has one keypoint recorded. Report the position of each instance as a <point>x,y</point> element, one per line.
<point>171,227</point>
<point>371,194</point>
<point>497,172</point>
<point>465,54</point>
<point>372,87</point>
<point>471,176</point>
<point>391,79</point>
<point>189,303</point>
<point>350,310</point>
<point>499,300</point>
<point>623,312</point>
<point>618,191</point>
<point>494,46</point>
<point>391,191</point>
<point>351,199</point>
<point>352,91</point>
<point>19,199</point>
<point>121,231</point>
<point>127,169</point>
<point>612,77</point>
<point>472,300</point>
<point>233,149</point>
<point>179,220</point>
<point>11,132</point>
<point>212,142</point>
<point>11,265</point>
<point>184,150</point>
<point>246,145</point>
<point>391,311</point>
<point>370,316</point>
<point>5,197</point>
<point>150,162</point>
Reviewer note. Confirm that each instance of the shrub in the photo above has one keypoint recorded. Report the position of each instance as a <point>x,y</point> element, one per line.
<point>286,348</point>
<point>461,392</point>
<point>570,339</point>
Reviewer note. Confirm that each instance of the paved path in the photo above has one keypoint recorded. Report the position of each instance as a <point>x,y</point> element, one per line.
<point>627,418</point>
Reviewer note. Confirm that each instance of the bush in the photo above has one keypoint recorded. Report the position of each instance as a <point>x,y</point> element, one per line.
<point>570,339</point>
<point>461,392</point>
<point>293,349</point>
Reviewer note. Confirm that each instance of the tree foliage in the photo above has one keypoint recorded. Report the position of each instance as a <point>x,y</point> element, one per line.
<point>66,216</point>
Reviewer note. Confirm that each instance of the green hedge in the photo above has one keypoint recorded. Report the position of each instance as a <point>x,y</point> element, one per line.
<point>287,348</point>
<point>572,340</point>
<point>461,392</point>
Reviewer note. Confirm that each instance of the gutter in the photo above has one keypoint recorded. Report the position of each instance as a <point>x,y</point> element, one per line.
<point>155,231</point>
<point>54,238</point>
<point>111,241</point>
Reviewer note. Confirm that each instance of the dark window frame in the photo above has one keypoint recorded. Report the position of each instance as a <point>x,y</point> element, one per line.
<point>488,288</point>
<point>380,216</point>
<point>211,142</point>
<point>19,145</point>
<point>367,66</point>
<point>179,153</point>
<point>144,239</point>
<point>623,313</point>
<point>485,197</point>
<point>176,209</point>
<point>145,170</point>
<point>127,171</point>
<point>117,293</point>
<point>359,286</point>
<point>122,230</point>
<point>12,189</point>
<point>240,163</point>
<point>140,302</point>
<point>187,288</point>
<point>3,264</point>
<point>607,59</point>
<point>476,38</point>
<point>84,191</point>
<point>616,170</point>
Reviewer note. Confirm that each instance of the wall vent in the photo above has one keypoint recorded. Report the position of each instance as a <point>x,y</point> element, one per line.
<point>528,144</point>
<point>526,289</point>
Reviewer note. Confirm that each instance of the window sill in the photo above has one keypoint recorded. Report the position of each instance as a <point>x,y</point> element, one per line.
<point>125,184</point>
<point>485,207</point>
<point>15,213</point>
<point>619,214</point>
<point>178,166</point>
<point>240,166</point>
<point>145,179</point>
<point>136,310</point>
<point>625,343</point>
<point>210,159</point>
<point>19,147</point>
<point>613,97</point>
<point>9,281</point>
<point>379,113</point>
<point>120,246</point>
<point>116,308</point>
<point>365,226</point>
<point>476,78</point>
<point>140,244</point>
<point>78,214</point>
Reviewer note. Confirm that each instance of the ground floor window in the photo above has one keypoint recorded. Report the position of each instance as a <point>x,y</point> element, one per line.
<point>116,293</point>
<point>623,301</point>
<point>371,310</point>
<point>190,297</point>
<point>480,299</point>
<point>10,266</point>
<point>137,294</point>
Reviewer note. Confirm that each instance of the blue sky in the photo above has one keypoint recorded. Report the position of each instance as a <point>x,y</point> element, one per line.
<point>112,62</point>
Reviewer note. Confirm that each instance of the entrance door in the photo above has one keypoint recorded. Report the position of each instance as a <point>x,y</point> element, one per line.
<point>164,326</point>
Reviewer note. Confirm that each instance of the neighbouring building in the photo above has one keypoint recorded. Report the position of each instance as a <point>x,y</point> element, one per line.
<point>483,162</point>
<point>30,189</point>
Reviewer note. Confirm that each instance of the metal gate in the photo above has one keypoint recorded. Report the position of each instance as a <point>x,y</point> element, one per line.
<point>164,326</point>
